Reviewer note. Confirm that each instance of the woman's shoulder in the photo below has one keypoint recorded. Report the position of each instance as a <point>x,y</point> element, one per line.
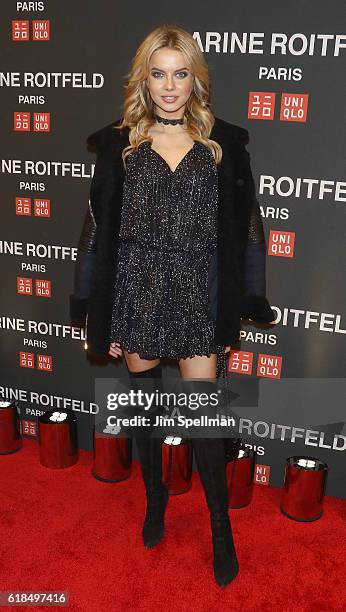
<point>111,138</point>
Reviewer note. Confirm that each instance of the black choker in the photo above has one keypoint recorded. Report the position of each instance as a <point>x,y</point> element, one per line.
<point>169,121</point>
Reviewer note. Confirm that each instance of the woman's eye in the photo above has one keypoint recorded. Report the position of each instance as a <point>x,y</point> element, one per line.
<point>180,75</point>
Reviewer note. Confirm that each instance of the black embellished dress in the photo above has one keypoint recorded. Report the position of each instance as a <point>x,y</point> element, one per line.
<point>168,234</point>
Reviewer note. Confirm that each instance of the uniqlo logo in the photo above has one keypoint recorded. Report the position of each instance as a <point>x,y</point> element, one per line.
<point>26,360</point>
<point>281,244</point>
<point>44,362</point>
<point>40,30</point>
<point>21,121</point>
<point>262,474</point>
<point>41,122</point>
<point>294,107</point>
<point>261,105</point>
<point>41,208</point>
<point>269,366</point>
<point>240,362</point>
<point>43,288</point>
<point>28,428</point>
<point>20,30</point>
<point>23,206</point>
<point>24,285</point>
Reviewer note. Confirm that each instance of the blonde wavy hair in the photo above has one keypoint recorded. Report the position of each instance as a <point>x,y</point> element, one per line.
<point>138,107</point>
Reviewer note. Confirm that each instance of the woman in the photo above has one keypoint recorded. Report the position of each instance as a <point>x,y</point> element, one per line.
<point>172,251</point>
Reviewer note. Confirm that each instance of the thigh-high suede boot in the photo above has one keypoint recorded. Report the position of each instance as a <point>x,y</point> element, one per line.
<point>210,459</point>
<point>211,462</point>
<point>150,456</point>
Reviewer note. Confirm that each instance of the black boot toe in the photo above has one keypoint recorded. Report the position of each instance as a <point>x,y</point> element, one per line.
<point>226,565</point>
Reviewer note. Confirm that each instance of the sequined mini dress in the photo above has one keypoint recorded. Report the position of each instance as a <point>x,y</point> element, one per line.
<point>167,236</point>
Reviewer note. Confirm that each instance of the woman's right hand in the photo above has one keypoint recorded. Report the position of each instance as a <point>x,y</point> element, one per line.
<point>115,349</point>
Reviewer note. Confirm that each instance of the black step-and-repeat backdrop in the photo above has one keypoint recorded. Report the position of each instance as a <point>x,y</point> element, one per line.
<point>278,70</point>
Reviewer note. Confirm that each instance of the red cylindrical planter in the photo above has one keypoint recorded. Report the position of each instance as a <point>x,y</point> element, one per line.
<point>112,457</point>
<point>177,467</point>
<point>240,477</point>
<point>303,489</point>
<point>10,437</point>
<point>58,446</point>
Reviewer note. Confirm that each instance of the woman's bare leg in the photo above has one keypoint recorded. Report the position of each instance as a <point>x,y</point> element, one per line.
<point>198,367</point>
<point>135,363</point>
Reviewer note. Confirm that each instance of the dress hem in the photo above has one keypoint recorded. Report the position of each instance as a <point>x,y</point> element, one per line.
<point>143,355</point>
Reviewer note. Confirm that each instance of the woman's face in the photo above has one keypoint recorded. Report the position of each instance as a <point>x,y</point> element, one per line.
<point>169,82</point>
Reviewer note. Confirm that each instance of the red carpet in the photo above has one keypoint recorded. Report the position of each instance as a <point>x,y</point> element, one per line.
<point>64,530</point>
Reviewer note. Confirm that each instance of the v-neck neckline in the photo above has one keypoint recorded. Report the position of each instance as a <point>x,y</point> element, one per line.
<point>166,163</point>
